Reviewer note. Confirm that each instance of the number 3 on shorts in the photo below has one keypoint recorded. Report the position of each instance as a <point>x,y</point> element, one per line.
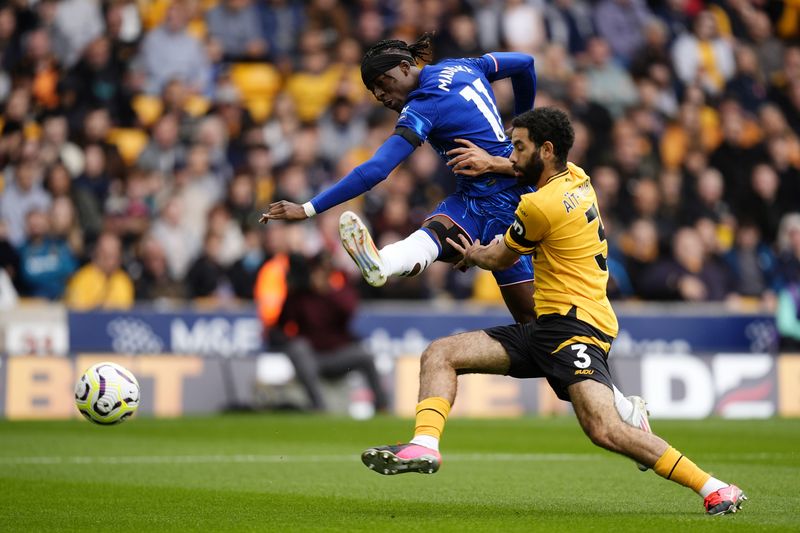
<point>583,360</point>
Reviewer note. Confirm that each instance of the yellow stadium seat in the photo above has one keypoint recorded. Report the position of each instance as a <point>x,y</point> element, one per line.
<point>129,141</point>
<point>148,108</point>
<point>258,83</point>
<point>196,105</point>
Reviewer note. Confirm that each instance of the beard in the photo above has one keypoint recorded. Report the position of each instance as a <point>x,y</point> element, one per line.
<point>531,173</point>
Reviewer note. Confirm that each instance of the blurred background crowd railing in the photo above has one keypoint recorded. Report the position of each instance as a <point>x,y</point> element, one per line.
<point>141,140</point>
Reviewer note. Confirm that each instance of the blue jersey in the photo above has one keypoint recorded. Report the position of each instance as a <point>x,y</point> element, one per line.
<point>455,101</point>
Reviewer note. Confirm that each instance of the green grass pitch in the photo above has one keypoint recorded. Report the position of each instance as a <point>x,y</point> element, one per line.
<point>303,473</point>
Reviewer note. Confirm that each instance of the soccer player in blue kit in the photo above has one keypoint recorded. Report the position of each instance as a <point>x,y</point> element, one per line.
<point>451,105</point>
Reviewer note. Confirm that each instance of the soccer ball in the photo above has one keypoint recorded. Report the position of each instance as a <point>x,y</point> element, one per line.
<point>107,394</point>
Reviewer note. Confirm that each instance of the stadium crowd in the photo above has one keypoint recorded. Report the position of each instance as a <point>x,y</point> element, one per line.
<point>142,139</point>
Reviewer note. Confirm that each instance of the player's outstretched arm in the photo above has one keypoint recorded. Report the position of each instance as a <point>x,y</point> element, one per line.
<point>518,67</point>
<point>471,160</point>
<point>362,178</point>
<point>493,256</point>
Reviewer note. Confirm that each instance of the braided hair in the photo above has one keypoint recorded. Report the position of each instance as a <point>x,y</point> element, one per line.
<point>388,53</point>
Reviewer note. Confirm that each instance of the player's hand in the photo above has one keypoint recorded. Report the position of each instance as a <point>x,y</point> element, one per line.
<point>466,250</point>
<point>283,210</point>
<point>470,160</point>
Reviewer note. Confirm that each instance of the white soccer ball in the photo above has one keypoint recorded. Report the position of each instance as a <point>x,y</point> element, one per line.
<point>107,394</point>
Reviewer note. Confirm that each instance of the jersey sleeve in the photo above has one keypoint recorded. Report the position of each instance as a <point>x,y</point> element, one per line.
<point>518,67</point>
<point>417,120</point>
<point>529,227</point>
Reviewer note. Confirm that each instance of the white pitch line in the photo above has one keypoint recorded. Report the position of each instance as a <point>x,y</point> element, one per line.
<point>240,458</point>
<point>212,459</point>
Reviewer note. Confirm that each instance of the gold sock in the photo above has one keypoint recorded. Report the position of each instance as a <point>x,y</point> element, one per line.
<point>673,465</point>
<point>431,416</point>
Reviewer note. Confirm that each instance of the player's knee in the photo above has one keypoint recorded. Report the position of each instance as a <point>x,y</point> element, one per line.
<point>438,353</point>
<point>448,253</point>
<point>601,434</point>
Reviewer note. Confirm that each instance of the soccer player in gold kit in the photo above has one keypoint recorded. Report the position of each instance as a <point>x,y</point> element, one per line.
<point>569,342</point>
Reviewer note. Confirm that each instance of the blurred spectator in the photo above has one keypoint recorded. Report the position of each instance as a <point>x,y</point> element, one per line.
<point>314,329</point>
<point>459,39</point>
<point>281,22</point>
<point>56,146</point>
<point>594,115</point>
<point>101,284</point>
<point>164,151</point>
<point>708,201</point>
<point>752,263</point>
<point>9,258</point>
<point>639,247</point>
<point>40,68</point>
<point>198,187</point>
<point>76,24</point>
<point>212,135</point>
<point>783,151</point>
<point>242,274</point>
<point>240,205</point>
<point>169,51</point>
<point>608,83</point>
<point>339,131</point>
<point>97,130</point>
<point>206,276</point>
<point>313,86</point>
<point>95,81</point>
<point>235,25</point>
<point>763,205</point>
<point>747,86</point>
<point>23,193</point>
<point>737,156</point>
<point>64,225</point>
<point>152,281</point>
<point>221,224</point>
<point>787,318</point>
<point>94,185</point>
<point>704,57</point>
<point>180,241</point>
<point>789,249</point>
<point>653,55</point>
<point>523,26</point>
<point>46,262</point>
<point>570,24</point>
<point>769,49</point>
<point>689,275</point>
<point>10,49</point>
<point>622,23</point>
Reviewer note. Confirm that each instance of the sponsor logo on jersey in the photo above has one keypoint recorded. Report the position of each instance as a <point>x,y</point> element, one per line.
<point>584,372</point>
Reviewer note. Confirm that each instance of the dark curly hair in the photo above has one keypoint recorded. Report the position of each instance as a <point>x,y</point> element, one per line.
<point>548,124</point>
<point>421,49</point>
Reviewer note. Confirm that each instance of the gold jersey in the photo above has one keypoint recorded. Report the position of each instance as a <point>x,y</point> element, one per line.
<point>559,225</point>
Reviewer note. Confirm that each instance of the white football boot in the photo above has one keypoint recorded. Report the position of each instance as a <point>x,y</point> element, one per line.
<point>359,244</point>
<point>638,419</point>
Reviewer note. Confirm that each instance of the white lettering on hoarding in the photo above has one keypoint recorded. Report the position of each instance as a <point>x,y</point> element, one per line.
<point>713,385</point>
<point>216,336</point>
<point>658,374</point>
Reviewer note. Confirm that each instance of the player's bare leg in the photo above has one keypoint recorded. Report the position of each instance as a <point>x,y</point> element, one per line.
<point>594,406</point>
<point>441,364</point>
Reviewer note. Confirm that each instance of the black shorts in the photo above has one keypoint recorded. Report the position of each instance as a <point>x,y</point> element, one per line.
<point>560,348</point>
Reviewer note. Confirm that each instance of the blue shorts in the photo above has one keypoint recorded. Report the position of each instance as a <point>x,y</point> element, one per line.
<point>487,218</point>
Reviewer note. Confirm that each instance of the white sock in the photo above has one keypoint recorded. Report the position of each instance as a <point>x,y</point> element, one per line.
<point>712,485</point>
<point>401,257</point>
<point>427,441</point>
<point>623,405</point>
